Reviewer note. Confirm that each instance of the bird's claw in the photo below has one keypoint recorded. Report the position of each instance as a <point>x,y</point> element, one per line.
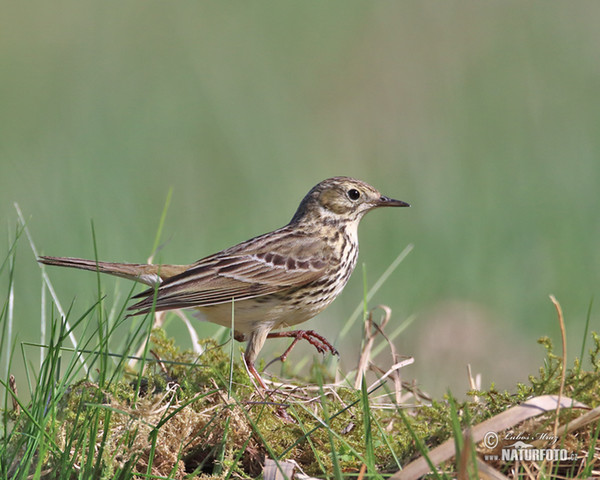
<point>318,341</point>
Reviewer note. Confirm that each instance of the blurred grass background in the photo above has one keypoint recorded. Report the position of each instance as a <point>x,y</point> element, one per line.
<point>483,115</point>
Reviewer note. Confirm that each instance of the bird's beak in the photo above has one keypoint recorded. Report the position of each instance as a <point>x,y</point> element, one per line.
<point>390,202</point>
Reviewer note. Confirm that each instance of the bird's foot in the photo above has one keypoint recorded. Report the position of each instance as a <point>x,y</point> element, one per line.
<point>318,341</point>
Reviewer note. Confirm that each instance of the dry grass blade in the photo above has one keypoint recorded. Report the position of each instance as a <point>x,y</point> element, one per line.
<point>361,473</point>
<point>580,422</point>
<point>392,370</point>
<point>191,331</point>
<point>12,384</point>
<point>500,422</point>
<point>372,329</point>
<point>474,382</point>
<point>303,476</point>
<point>465,458</point>
<point>281,470</point>
<point>159,318</point>
<point>487,472</point>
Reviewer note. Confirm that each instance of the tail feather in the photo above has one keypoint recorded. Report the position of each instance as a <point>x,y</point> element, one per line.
<point>148,274</point>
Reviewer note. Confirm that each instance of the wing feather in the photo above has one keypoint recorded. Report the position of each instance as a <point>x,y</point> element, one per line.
<point>260,266</point>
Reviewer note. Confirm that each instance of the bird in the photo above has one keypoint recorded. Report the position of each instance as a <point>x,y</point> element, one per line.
<point>275,280</point>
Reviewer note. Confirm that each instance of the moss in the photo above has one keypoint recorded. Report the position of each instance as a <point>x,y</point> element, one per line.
<point>188,423</point>
<point>192,372</point>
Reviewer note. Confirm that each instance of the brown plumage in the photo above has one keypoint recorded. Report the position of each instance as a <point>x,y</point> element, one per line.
<point>275,280</point>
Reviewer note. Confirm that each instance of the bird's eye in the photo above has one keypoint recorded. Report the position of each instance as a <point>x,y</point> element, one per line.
<point>353,194</point>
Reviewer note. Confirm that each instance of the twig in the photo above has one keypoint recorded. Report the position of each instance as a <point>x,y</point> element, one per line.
<point>563,336</point>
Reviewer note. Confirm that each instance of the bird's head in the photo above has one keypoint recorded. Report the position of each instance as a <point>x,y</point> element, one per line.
<point>342,200</point>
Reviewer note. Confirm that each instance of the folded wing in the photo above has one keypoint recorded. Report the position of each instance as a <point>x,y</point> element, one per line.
<point>254,268</point>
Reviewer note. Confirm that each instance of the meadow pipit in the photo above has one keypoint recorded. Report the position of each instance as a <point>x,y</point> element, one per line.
<point>276,280</point>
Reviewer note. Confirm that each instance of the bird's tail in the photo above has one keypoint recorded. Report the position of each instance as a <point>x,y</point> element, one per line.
<point>148,274</point>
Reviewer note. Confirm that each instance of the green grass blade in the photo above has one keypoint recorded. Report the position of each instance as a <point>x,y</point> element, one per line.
<point>231,348</point>
<point>337,471</point>
<point>585,332</point>
<point>161,223</point>
<point>45,277</point>
<point>376,286</point>
<point>369,452</point>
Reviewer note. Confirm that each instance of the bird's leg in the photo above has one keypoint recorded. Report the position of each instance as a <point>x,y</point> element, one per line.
<point>254,372</point>
<point>256,341</point>
<point>318,341</point>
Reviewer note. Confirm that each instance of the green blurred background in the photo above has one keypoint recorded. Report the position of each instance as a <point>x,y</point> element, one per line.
<point>483,115</point>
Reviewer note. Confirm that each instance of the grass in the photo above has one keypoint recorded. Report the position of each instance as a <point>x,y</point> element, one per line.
<point>100,411</point>
<point>491,137</point>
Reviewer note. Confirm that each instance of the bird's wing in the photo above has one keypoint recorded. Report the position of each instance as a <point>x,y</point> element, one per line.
<point>261,266</point>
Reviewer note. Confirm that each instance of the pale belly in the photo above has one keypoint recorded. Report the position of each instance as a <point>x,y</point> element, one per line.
<point>245,315</point>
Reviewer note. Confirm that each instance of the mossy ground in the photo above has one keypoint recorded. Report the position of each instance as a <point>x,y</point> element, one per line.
<point>192,417</point>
